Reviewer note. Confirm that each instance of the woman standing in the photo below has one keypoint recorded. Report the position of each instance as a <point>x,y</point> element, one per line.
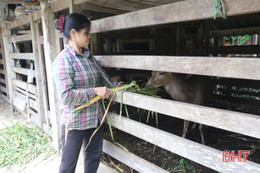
<point>78,78</point>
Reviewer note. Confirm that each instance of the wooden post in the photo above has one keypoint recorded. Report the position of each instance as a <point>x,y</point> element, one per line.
<point>43,75</point>
<point>10,75</point>
<point>39,97</point>
<point>73,8</point>
<point>50,55</point>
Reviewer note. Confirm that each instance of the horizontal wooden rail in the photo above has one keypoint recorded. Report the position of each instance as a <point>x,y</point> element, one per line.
<point>21,38</point>
<point>2,81</point>
<point>24,92</point>
<point>23,85</point>
<point>1,61</point>
<point>104,168</point>
<point>199,153</point>
<point>23,71</point>
<point>243,68</point>
<point>2,88</point>
<point>2,71</point>
<point>5,98</point>
<point>33,104</point>
<point>182,11</point>
<point>130,159</point>
<point>242,123</point>
<point>232,32</point>
<point>25,56</point>
<point>25,20</point>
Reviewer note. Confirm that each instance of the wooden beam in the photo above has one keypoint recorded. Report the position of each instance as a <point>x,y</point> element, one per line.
<point>130,159</point>
<point>24,92</point>
<point>25,56</point>
<point>10,75</point>
<point>244,68</point>
<point>2,81</point>
<point>242,123</point>
<point>21,38</point>
<point>234,32</point>
<point>98,8</point>
<point>59,5</point>
<point>24,20</point>
<point>23,71</point>
<point>13,1</point>
<point>38,75</point>
<point>172,13</point>
<point>5,98</point>
<point>199,153</point>
<point>250,49</point>
<point>2,88</point>
<point>1,61</point>
<point>23,85</point>
<point>24,32</point>
<point>104,168</point>
<point>50,54</point>
<point>2,71</point>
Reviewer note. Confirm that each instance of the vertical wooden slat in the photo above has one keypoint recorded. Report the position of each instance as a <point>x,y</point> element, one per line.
<point>10,75</point>
<point>50,55</point>
<point>42,74</point>
<point>39,100</point>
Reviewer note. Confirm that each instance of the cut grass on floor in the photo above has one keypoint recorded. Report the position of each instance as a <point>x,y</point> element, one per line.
<point>20,144</point>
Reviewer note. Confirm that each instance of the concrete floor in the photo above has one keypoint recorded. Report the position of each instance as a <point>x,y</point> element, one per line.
<point>38,165</point>
<point>50,165</point>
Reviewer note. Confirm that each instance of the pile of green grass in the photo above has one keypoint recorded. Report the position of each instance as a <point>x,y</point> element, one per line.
<point>20,144</point>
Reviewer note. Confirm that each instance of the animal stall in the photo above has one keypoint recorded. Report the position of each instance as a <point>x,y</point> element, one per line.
<point>169,36</point>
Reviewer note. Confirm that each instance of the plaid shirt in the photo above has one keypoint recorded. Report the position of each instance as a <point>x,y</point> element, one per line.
<point>75,76</point>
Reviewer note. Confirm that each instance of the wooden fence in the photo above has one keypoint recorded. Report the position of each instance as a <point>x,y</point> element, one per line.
<point>238,68</point>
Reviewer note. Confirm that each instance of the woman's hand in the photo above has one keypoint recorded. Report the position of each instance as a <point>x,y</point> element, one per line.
<point>103,92</point>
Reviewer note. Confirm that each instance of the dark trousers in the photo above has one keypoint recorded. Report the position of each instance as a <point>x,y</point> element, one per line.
<point>72,147</point>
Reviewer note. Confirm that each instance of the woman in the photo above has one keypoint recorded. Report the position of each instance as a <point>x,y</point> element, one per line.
<point>78,78</point>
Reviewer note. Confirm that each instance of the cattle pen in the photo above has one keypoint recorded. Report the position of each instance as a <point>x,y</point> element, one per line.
<point>137,37</point>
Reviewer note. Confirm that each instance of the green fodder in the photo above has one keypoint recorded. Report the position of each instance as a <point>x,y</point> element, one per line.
<point>20,144</point>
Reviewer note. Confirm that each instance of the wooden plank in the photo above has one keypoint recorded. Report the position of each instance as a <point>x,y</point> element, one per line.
<point>59,5</point>
<point>24,92</point>
<point>5,98</point>
<point>21,38</point>
<point>33,104</point>
<point>104,168</point>
<point>10,75</point>
<point>38,75</point>
<point>172,13</point>
<point>250,49</point>
<point>25,56</point>
<point>199,153</point>
<point>24,32</point>
<point>43,79</point>
<point>23,71</point>
<point>50,55</point>
<point>22,84</point>
<point>233,32</point>
<point>242,123</point>
<point>243,68</point>
<point>1,61</point>
<point>13,1</point>
<point>98,8</point>
<point>130,159</point>
<point>2,88</point>
<point>2,81</point>
<point>25,20</point>
<point>2,71</point>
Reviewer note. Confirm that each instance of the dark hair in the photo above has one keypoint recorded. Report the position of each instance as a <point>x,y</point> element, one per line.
<point>74,21</point>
